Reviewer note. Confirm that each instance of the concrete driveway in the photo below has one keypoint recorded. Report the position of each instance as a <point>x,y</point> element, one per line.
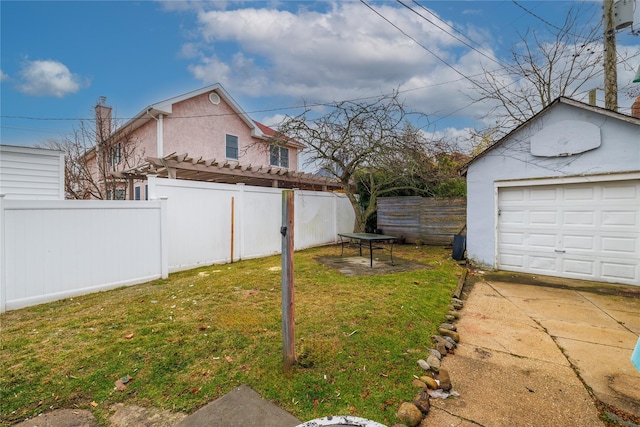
<point>540,352</point>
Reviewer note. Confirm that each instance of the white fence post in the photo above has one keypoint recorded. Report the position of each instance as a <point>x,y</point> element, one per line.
<point>164,239</point>
<point>152,181</point>
<point>240,223</point>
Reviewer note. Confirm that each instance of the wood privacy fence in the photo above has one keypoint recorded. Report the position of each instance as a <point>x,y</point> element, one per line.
<point>432,221</point>
<point>53,249</point>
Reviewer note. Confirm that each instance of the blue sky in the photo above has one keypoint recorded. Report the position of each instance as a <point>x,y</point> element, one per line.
<point>58,57</point>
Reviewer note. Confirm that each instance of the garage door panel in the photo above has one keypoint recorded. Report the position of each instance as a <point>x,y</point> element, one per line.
<point>587,231</point>
<point>512,238</point>
<point>617,245</point>
<point>620,192</point>
<point>578,218</point>
<point>543,218</point>
<point>620,218</point>
<point>578,194</point>
<point>617,270</point>
<point>579,243</point>
<point>542,241</point>
<point>542,263</point>
<point>542,194</point>
<point>574,266</point>
<point>512,218</point>
<point>513,261</point>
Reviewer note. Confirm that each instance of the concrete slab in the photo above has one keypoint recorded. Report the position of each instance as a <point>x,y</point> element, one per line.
<point>609,372</point>
<point>613,302</point>
<point>520,290</point>
<point>499,389</point>
<point>619,337</point>
<point>557,309</point>
<point>493,322</point>
<point>596,332</point>
<point>629,320</point>
<point>439,418</point>
<point>241,407</point>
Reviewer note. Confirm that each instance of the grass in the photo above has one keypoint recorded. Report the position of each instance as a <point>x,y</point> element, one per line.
<point>192,338</point>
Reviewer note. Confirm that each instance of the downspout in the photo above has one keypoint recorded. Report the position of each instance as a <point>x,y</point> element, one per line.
<point>159,135</point>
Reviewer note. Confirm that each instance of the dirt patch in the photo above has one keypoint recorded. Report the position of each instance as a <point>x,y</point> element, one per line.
<point>360,265</point>
<point>62,417</point>
<point>136,416</point>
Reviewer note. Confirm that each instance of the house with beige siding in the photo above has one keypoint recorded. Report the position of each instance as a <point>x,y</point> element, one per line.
<point>201,135</point>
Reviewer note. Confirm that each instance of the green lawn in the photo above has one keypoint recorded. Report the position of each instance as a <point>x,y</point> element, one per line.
<point>192,338</point>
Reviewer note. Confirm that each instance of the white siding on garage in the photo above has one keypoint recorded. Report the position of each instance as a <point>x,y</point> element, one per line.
<point>586,230</point>
<point>511,163</point>
<point>28,173</point>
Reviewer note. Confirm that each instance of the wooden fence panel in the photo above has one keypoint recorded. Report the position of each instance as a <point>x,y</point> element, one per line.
<point>432,221</point>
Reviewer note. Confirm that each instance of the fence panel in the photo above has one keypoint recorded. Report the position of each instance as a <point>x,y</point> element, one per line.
<point>56,249</point>
<point>434,221</point>
<point>260,222</point>
<point>200,222</point>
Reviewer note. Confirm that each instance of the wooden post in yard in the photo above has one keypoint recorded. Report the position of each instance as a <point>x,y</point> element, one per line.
<point>288,329</point>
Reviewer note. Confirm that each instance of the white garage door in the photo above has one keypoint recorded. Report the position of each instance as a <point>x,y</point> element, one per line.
<point>585,231</point>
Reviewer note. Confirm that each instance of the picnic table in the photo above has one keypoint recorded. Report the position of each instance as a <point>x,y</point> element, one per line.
<point>370,238</point>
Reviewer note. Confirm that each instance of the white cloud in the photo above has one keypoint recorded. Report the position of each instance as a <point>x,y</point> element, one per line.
<point>344,52</point>
<point>273,121</point>
<point>49,78</point>
<point>460,139</point>
<point>3,76</point>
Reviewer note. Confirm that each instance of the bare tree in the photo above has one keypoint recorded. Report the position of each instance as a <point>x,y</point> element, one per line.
<point>93,152</point>
<point>368,143</point>
<point>541,68</point>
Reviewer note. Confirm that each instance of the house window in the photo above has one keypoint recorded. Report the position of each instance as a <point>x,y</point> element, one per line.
<point>137,193</point>
<point>146,191</point>
<point>232,147</point>
<point>279,156</point>
<point>115,155</point>
<point>118,194</point>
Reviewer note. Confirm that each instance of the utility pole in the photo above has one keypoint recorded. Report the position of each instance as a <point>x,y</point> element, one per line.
<point>610,62</point>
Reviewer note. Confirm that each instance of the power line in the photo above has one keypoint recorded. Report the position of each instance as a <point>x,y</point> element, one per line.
<point>447,32</point>
<point>587,40</point>
<point>420,44</point>
<point>267,110</point>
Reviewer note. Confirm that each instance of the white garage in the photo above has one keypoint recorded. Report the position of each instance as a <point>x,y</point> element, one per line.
<point>585,231</point>
<point>559,196</point>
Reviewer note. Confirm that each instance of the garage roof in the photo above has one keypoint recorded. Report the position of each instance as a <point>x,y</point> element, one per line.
<point>563,100</point>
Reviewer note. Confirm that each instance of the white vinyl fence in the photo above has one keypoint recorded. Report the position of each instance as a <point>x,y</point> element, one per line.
<point>56,249</point>
<point>53,249</point>
<point>203,231</point>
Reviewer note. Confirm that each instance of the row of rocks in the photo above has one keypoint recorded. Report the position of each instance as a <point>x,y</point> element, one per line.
<point>436,381</point>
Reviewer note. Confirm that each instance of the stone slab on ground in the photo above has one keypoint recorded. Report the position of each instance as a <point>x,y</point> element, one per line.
<point>360,266</point>
<point>242,407</point>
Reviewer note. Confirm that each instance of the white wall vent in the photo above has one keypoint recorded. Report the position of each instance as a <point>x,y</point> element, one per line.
<point>214,98</point>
